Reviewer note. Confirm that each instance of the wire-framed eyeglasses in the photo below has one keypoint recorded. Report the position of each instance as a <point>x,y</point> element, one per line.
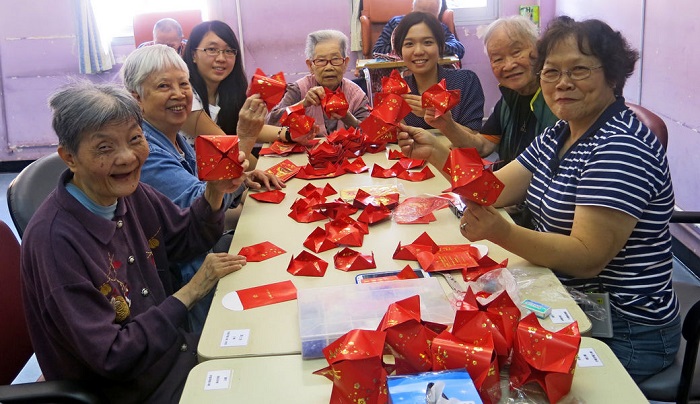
<point>228,52</point>
<point>576,73</point>
<point>324,62</point>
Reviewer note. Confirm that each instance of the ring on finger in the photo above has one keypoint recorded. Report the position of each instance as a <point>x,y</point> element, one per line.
<point>462,226</point>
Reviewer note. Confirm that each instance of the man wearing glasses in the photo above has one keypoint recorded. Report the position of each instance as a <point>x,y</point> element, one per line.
<point>326,57</point>
<point>168,32</point>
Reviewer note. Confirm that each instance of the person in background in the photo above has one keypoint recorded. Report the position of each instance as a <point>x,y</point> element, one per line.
<point>101,304</point>
<point>219,83</point>
<point>599,189</point>
<point>158,78</point>
<point>168,31</point>
<point>420,41</point>
<point>385,43</point>
<point>326,57</point>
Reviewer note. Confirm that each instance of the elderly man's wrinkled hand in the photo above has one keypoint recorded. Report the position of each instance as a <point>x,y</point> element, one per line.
<point>416,143</point>
<point>314,96</point>
<point>251,117</point>
<point>258,179</point>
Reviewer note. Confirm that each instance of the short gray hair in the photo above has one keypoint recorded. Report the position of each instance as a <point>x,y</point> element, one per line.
<point>516,26</point>
<point>167,24</point>
<point>82,107</point>
<point>324,35</point>
<point>145,61</point>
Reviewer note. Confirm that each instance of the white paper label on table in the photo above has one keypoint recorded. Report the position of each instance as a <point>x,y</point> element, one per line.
<point>561,316</point>
<point>218,380</point>
<point>232,302</point>
<point>587,357</point>
<point>235,338</point>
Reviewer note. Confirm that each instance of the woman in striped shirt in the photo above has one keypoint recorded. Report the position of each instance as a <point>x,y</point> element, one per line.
<point>599,189</point>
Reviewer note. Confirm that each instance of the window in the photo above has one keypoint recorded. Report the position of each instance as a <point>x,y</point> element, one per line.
<point>472,12</point>
<point>115,18</point>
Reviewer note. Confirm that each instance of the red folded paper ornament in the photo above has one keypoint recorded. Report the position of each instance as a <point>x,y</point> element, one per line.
<point>422,243</point>
<point>334,102</point>
<point>325,152</point>
<point>395,155</point>
<point>305,214</point>
<point>271,89</point>
<point>356,368</point>
<point>307,264</point>
<point>344,232</point>
<point>363,199</point>
<point>470,177</point>
<point>284,170</point>
<point>486,264</point>
<point>545,357</point>
<point>395,84</point>
<point>274,196</point>
<point>318,241</point>
<point>335,209</point>
<point>356,167</point>
<point>374,214</point>
<point>381,172</point>
<point>260,252</point>
<point>295,118</point>
<point>217,158</point>
<point>350,260</point>
<point>408,163</point>
<point>381,126</point>
<point>415,176</point>
<point>328,170</point>
<point>440,98</point>
<point>407,337</point>
<point>323,192</point>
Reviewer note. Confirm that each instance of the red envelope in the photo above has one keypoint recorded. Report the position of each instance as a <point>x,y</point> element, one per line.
<point>217,158</point>
<point>470,177</point>
<point>267,294</point>
<point>440,98</point>
<point>486,264</point>
<point>284,170</point>
<point>294,117</point>
<point>381,126</point>
<point>323,192</point>
<point>307,264</point>
<point>274,196</point>
<point>356,368</point>
<point>356,167</point>
<point>351,260</point>
<point>416,176</point>
<point>545,357</point>
<point>309,172</point>
<point>282,149</point>
<point>260,252</point>
<point>374,214</point>
<point>334,102</point>
<point>271,89</point>
<point>318,241</point>
<point>447,258</point>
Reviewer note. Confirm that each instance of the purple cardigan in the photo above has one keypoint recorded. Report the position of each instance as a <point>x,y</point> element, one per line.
<point>75,264</point>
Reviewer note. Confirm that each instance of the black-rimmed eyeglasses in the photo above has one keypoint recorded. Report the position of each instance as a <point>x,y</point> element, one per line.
<point>576,73</point>
<point>324,62</point>
<point>229,53</point>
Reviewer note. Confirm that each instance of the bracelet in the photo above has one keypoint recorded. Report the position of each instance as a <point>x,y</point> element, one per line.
<point>287,135</point>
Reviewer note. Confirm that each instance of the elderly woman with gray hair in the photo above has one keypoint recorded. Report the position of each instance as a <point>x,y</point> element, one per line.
<point>102,306</point>
<point>326,57</point>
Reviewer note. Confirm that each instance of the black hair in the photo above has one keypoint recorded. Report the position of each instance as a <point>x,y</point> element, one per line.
<point>414,18</point>
<point>594,38</point>
<point>232,89</point>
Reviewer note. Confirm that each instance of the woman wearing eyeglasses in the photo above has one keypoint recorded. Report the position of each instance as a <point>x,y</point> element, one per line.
<point>326,57</point>
<point>599,189</point>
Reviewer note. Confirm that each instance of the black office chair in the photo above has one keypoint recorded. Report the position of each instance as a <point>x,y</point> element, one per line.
<point>31,187</point>
<point>15,345</point>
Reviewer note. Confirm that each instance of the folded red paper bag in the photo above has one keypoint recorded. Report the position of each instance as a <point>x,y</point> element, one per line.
<point>471,176</point>
<point>440,98</point>
<point>545,357</point>
<point>407,337</point>
<point>295,119</point>
<point>274,196</point>
<point>356,368</point>
<point>348,259</point>
<point>271,89</point>
<point>217,158</point>
<point>381,126</point>
<point>307,264</point>
<point>334,102</point>
<point>260,252</point>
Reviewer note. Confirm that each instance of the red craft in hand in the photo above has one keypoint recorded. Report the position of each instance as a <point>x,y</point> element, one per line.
<point>393,84</point>
<point>295,119</point>
<point>271,89</point>
<point>440,98</point>
<point>545,357</point>
<point>382,124</point>
<point>217,158</point>
<point>471,176</point>
<point>334,102</point>
<point>307,264</point>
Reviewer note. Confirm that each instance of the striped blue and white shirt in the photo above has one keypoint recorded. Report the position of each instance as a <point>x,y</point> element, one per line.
<point>618,164</point>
